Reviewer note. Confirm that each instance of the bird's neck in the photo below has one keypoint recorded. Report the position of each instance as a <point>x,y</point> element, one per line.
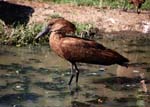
<point>55,42</point>
<point>55,39</point>
<point>56,36</point>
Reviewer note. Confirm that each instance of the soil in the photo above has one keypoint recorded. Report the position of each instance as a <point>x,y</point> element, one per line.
<point>106,19</point>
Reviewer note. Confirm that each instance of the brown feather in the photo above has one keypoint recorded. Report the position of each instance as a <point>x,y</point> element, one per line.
<point>86,51</point>
<point>61,25</point>
<point>75,49</point>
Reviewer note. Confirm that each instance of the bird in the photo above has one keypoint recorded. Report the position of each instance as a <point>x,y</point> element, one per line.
<point>78,50</point>
<point>136,3</point>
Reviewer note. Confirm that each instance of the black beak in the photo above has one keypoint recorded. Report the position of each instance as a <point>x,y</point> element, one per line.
<point>43,32</point>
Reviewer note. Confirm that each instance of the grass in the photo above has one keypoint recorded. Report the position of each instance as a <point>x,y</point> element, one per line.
<point>21,35</point>
<point>121,3</point>
<point>146,5</point>
<point>79,2</point>
<point>56,15</point>
<point>82,27</point>
<point>99,3</point>
<point>24,35</point>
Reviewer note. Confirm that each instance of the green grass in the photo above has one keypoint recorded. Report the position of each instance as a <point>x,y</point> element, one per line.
<point>82,27</point>
<point>56,15</point>
<point>99,3</point>
<point>120,4</point>
<point>146,5</point>
<point>79,2</point>
<point>21,35</point>
<point>24,35</point>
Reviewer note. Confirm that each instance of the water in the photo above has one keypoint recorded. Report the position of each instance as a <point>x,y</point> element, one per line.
<point>36,77</point>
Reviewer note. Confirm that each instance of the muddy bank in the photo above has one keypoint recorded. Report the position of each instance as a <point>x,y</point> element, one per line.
<point>110,22</point>
<point>107,20</point>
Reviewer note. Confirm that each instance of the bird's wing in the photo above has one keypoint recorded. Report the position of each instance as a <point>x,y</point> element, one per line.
<point>83,43</point>
<point>87,51</point>
<point>80,50</point>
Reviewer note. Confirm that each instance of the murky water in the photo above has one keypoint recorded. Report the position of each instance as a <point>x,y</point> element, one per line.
<point>36,77</point>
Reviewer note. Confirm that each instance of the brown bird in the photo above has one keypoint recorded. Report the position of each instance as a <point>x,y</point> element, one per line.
<point>78,50</point>
<point>136,3</point>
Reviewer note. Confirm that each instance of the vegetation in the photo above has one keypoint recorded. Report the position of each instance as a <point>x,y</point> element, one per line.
<point>24,35</point>
<point>79,2</point>
<point>99,3</point>
<point>21,35</point>
<point>103,3</point>
<point>82,27</point>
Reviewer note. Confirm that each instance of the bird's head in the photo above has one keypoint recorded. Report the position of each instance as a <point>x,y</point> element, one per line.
<point>58,25</point>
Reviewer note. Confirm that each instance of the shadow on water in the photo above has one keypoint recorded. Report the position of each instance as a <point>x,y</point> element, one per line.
<point>7,53</point>
<point>119,83</point>
<point>13,14</point>
<point>59,86</point>
<point>79,104</point>
<point>36,77</point>
<point>19,68</point>
<point>13,99</point>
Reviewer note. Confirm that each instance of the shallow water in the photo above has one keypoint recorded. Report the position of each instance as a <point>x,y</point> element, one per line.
<point>36,77</point>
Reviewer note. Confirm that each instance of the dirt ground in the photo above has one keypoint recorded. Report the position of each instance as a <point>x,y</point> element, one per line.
<point>108,20</point>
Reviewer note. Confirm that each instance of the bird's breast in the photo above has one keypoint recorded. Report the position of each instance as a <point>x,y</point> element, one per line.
<point>55,43</point>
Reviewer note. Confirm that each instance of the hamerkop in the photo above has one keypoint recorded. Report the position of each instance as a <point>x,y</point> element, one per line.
<point>78,50</point>
<point>136,3</point>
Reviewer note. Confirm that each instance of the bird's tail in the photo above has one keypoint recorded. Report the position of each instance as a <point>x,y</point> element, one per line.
<point>124,62</point>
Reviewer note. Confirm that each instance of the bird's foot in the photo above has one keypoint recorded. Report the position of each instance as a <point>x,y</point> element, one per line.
<point>77,89</point>
<point>70,89</point>
<point>73,91</point>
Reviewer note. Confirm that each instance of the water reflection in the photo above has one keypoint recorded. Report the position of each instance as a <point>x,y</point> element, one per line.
<point>36,77</point>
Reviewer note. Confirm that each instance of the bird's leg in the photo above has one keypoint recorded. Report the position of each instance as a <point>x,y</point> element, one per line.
<point>72,74</point>
<point>77,75</point>
<point>71,78</point>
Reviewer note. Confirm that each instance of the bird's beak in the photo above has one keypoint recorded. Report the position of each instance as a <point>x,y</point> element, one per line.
<point>45,31</point>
